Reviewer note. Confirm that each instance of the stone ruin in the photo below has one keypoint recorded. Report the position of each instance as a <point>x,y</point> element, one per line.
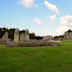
<point>24,35</point>
<point>21,35</point>
<point>4,39</point>
<point>16,35</point>
<point>47,37</point>
<point>5,36</point>
<point>22,39</point>
<point>68,35</point>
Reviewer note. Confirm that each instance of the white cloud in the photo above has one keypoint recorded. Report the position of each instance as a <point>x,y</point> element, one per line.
<point>66,21</point>
<point>65,24</point>
<point>28,3</point>
<point>37,21</point>
<point>52,18</point>
<point>61,30</point>
<point>51,7</point>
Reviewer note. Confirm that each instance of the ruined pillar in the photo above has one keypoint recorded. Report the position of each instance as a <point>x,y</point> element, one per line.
<point>5,36</point>
<point>16,35</point>
<point>27,34</point>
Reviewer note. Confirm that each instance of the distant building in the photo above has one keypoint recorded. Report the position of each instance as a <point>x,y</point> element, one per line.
<point>68,35</point>
<point>47,37</point>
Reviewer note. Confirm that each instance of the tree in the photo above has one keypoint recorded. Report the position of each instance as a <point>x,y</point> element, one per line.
<point>32,36</point>
<point>69,30</point>
<point>38,37</point>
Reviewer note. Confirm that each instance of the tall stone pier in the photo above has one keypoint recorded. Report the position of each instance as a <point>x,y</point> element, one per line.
<point>16,36</point>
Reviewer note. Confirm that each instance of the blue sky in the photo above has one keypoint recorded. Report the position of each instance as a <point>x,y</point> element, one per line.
<point>43,17</point>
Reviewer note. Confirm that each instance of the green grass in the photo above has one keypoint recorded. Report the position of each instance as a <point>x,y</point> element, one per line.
<point>36,59</point>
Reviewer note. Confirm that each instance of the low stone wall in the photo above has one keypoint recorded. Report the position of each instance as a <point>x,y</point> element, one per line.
<point>33,43</point>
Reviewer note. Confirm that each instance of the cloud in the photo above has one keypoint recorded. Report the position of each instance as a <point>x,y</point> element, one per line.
<point>52,18</point>
<point>61,30</point>
<point>52,7</point>
<point>65,24</point>
<point>66,21</point>
<point>37,21</point>
<point>28,3</point>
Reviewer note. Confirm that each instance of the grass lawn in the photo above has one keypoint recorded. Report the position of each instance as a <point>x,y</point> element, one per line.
<point>37,59</point>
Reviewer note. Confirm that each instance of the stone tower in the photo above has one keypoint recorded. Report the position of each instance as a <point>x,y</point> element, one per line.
<point>16,35</point>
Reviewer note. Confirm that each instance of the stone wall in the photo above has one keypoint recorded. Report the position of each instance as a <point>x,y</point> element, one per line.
<point>5,36</point>
<point>21,35</point>
<point>16,35</point>
<point>68,36</point>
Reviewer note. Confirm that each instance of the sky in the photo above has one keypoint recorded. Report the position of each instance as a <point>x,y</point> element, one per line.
<point>43,17</point>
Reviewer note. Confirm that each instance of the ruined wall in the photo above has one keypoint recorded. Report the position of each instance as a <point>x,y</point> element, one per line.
<point>16,35</point>
<point>24,35</point>
<point>68,36</point>
<point>5,36</point>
